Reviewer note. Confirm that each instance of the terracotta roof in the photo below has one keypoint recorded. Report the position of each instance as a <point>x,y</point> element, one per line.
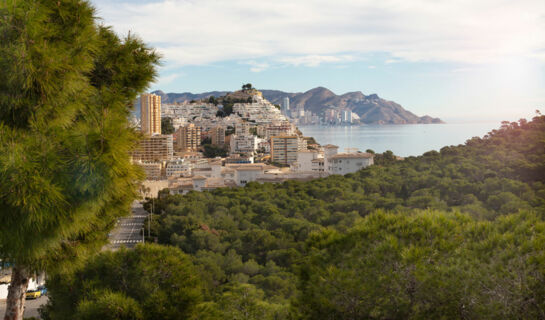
<point>362,155</point>
<point>199,178</point>
<point>330,146</point>
<point>317,160</point>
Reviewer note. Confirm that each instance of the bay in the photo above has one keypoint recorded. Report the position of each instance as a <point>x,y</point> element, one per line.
<point>403,140</point>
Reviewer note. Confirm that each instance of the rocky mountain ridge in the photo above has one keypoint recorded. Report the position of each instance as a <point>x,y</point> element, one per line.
<point>370,108</point>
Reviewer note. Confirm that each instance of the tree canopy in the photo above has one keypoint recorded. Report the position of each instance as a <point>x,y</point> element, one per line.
<point>66,89</point>
<point>149,282</point>
<point>258,235</point>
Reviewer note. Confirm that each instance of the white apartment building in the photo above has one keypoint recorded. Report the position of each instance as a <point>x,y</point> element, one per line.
<point>305,160</point>
<point>344,163</point>
<point>178,168</point>
<point>243,143</point>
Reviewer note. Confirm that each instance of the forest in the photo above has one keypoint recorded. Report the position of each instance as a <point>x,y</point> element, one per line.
<point>454,234</point>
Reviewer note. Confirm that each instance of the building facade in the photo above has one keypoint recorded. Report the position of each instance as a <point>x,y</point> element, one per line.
<point>155,148</point>
<point>188,138</point>
<point>344,163</point>
<point>284,149</point>
<point>217,135</point>
<point>150,114</point>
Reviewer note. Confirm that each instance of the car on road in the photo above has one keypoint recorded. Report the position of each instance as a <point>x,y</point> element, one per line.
<point>43,290</point>
<point>33,294</point>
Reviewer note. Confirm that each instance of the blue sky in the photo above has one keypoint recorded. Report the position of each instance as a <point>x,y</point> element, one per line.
<point>456,59</point>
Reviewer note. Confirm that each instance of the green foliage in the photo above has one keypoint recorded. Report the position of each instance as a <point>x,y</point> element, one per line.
<point>247,86</point>
<point>149,282</point>
<point>107,305</point>
<point>430,265</point>
<point>212,151</point>
<point>66,87</point>
<point>256,235</point>
<point>166,126</point>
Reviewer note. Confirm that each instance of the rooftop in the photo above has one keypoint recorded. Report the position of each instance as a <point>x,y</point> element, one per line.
<point>361,155</point>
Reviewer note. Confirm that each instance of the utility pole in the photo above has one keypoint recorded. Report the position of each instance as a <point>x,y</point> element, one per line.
<point>149,219</point>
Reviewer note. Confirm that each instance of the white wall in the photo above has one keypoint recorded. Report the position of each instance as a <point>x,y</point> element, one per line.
<point>244,176</point>
<point>349,165</point>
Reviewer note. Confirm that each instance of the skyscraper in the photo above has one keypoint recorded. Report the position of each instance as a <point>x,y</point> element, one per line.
<point>285,106</point>
<point>150,114</point>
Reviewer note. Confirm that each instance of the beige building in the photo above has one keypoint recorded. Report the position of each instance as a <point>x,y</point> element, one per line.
<point>217,135</point>
<point>284,149</point>
<point>153,170</point>
<point>188,138</point>
<point>150,114</point>
<point>155,148</point>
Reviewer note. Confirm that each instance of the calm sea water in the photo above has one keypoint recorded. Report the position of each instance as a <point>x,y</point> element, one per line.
<point>403,140</point>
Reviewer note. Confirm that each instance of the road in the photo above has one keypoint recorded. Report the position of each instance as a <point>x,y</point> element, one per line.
<point>31,307</point>
<point>128,231</point>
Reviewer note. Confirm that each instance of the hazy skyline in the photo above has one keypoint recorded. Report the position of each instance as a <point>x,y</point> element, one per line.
<point>450,59</point>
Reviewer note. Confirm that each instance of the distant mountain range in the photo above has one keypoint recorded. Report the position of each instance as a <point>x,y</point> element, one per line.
<point>371,109</point>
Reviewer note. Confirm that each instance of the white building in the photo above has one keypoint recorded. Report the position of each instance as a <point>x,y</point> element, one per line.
<point>329,151</point>
<point>304,160</point>
<point>343,163</point>
<point>243,143</point>
<point>178,168</point>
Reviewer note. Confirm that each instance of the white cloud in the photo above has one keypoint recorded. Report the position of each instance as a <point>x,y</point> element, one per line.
<point>257,66</point>
<point>315,60</point>
<point>167,79</point>
<point>310,32</point>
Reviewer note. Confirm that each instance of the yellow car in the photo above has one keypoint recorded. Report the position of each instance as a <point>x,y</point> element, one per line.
<point>33,294</point>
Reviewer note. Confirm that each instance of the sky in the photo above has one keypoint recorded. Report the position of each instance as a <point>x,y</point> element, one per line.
<point>454,59</point>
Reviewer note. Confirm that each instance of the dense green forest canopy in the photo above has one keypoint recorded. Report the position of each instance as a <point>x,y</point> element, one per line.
<point>454,234</point>
<point>256,235</point>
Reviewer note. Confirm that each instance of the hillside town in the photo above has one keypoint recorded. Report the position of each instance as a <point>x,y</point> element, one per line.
<point>229,142</point>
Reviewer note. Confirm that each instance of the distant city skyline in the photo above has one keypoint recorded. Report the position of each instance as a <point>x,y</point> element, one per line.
<point>454,60</point>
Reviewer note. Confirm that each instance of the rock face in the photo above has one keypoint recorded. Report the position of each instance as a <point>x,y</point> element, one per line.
<point>371,108</point>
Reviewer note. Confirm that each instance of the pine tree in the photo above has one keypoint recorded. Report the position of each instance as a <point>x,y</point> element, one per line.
<point>66,87</point>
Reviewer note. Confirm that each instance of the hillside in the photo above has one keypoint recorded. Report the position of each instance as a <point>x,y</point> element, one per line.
<point>258,236</point>
<point>371,108</point>
<point>455,234</point>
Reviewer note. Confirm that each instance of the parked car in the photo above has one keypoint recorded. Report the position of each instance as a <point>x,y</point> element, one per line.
<point>43,290</point>
<point>33,294</point>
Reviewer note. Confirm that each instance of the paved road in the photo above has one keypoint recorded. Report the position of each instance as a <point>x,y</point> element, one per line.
<point>31,307</point>
<point>128,231</point>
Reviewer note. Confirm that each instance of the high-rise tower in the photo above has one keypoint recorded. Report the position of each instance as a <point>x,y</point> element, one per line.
<point>286,106</point>
<point>150,114</point>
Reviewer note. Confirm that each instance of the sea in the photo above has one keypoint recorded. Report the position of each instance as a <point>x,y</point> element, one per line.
<point>402,139</point>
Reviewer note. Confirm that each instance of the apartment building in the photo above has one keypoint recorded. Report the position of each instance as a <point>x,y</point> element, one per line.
<point>188,138</point>
<point>217,135</point>
<point>284,149</point>
<point>150,114</point>
<point>153,170</point>
<point>155,148</point>
<point>343,163</point>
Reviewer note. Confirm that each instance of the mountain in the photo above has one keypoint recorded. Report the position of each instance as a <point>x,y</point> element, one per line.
<point>371,108</point>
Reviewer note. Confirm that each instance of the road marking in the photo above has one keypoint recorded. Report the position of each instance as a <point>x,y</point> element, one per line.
<point>126,241</point>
